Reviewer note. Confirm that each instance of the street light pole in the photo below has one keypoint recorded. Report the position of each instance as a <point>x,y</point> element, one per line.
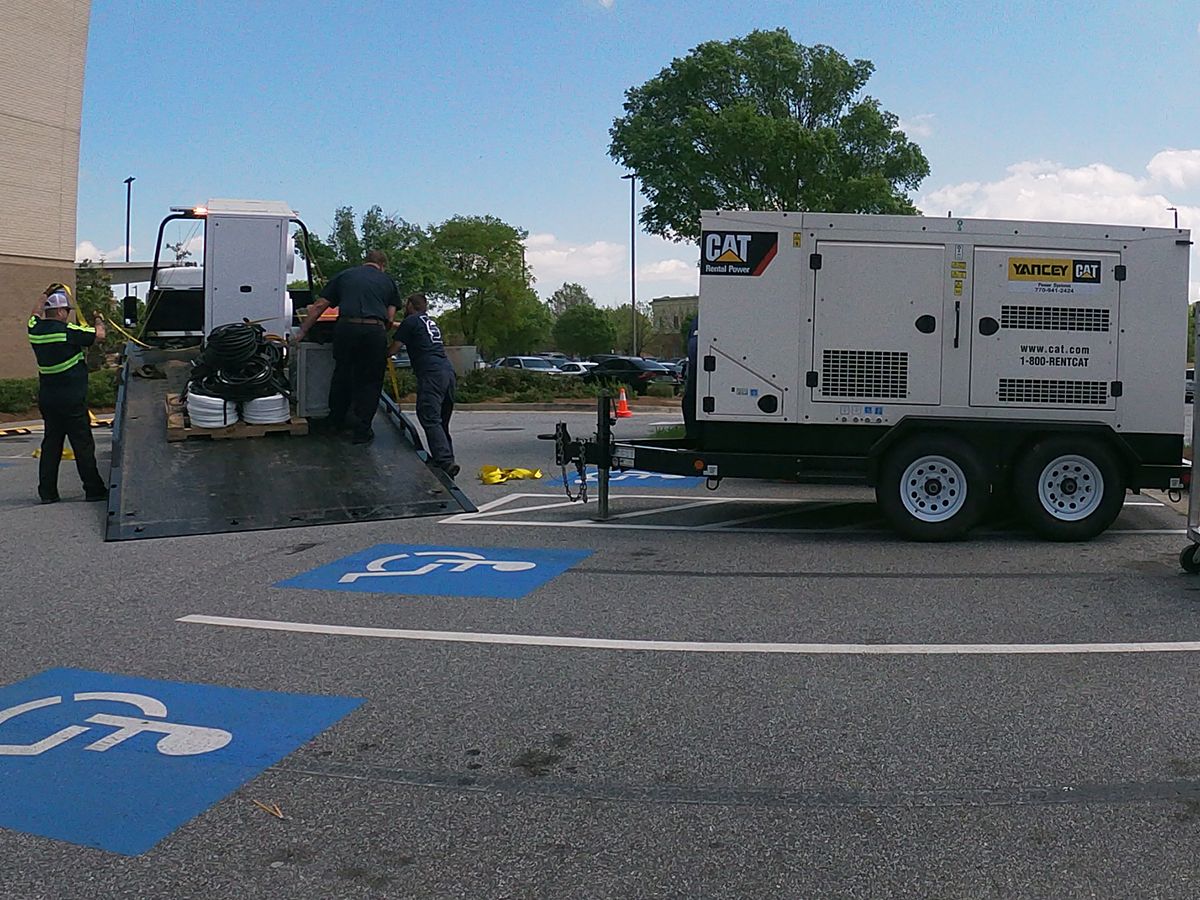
<point>632,178</point>
<point>128,205</point>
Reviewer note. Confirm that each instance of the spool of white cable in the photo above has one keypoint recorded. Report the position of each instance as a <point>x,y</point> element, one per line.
<point>271,410</point>
<point>210,412</point>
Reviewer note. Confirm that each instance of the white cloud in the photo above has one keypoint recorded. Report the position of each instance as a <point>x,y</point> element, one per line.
<point>1176,168</point>
<point>607,4</point>
<point>676,271</point>
<point>1047,191</point>
<point>553,261</point>
<point>919,126</point>
<point>88,250</point>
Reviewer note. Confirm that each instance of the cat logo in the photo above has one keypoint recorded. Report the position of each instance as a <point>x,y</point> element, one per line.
<point>737,252</point>
<point>1054,271</point>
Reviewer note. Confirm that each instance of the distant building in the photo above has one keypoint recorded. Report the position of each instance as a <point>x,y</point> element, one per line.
<point>669,316</point>
<point>42,49</point>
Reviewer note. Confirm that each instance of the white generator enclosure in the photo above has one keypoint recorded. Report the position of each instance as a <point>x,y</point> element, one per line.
<point>818,319</point>
<point>247,258</point>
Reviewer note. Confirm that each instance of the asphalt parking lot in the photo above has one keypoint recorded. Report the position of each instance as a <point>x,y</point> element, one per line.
<point>754,692</point>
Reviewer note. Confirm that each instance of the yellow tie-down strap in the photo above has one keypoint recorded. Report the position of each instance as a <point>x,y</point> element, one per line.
<point>497,475</point>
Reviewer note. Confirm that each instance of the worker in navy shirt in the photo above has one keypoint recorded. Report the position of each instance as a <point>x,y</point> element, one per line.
<point>59,346</point>
<point>435,379</point>
<point>366,299</point>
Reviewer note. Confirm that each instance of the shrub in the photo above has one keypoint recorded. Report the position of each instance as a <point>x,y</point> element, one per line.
<point>102,388</point>
<point>406,381</point>
<point>18,394</point>
<point>661,390</point>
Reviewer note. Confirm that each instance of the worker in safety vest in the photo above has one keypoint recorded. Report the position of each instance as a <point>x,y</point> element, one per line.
<point>62,391</point>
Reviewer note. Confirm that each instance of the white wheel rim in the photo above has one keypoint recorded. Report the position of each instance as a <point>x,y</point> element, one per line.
<point>933,489</point>
<point>1071,488</point>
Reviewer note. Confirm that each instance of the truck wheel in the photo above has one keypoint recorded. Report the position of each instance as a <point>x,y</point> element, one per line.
<point>932,489</point>
<point>1188,559</point>
<point>1069,488</point>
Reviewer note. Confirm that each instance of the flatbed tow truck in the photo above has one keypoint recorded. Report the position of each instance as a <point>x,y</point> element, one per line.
<point>203,486</point>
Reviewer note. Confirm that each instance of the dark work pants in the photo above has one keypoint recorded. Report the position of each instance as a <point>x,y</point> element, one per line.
<point>359,358</point>
<point>689,404</point>
<point>435,405</point>
<point>67,419</point>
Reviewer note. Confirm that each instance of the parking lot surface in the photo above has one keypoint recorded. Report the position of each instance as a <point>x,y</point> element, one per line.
<point>752,692</point>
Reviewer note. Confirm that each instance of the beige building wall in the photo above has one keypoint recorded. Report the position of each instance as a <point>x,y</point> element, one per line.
<point>42,48</point>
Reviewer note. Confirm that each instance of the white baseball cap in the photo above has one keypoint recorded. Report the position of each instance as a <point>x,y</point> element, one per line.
<point>58,300</point>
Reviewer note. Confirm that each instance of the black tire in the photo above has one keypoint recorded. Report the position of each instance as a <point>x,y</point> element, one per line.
<point>932,491</point>
<point>1083,505</point>
<point>1188,559</point>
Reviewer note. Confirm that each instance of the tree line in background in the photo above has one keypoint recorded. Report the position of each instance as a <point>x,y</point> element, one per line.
<point>473,270</point>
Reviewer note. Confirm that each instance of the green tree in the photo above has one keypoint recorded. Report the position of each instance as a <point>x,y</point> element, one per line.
<point>762,122</point>
<point>569,295</point>
<point>583,330</point>
<point>94,297</point>
<point>482,264</point>
<point>623,323</point>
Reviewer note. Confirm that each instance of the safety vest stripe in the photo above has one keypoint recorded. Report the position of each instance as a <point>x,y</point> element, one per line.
<point>54,337</point>
<point>88,328</point>
<point>62,366</point>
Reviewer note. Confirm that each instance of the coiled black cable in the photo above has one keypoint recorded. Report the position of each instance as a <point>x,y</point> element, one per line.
<point>239,362</point>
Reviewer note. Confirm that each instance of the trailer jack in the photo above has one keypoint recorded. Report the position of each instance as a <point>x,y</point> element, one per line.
<point>596,450</point>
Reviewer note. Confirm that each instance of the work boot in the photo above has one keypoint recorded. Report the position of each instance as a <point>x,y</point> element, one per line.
<point>93,496</point>
<point>363,437</point>
<point>45,500</point>
<point>452,470</point>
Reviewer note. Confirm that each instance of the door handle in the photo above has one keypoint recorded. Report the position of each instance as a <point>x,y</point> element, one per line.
<point>957,321</point>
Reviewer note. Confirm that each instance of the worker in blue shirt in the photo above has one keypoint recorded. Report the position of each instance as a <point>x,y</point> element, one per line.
<point>435,379</point>
<point>59,346</point>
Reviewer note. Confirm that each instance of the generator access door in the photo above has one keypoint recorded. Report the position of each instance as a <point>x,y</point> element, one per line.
<point>877,323</point>
<point>1044,328</point>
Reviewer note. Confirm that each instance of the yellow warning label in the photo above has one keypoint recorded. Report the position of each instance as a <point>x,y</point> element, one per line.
<point>795,239</point>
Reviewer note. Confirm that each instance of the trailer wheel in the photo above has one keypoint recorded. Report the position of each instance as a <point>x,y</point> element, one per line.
<point>1189,561</point>
<point>1069,488</point>
<point>932,489</point>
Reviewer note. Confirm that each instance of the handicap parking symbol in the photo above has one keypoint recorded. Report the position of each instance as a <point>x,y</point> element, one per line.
<point>503,572</point>
<point>632,477</point>
<point>119,763</point>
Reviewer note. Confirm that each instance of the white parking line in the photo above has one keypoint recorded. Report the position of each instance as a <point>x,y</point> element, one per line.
<point>545,640</point>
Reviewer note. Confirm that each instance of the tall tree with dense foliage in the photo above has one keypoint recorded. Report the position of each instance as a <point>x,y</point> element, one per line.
<point>762,122</point>
<point>623,323</point>
<point>583,330</point>
<point>568,296</point>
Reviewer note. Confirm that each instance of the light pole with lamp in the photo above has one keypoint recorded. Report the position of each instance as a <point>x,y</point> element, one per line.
<point>128,205</point>
<point>632,178</point>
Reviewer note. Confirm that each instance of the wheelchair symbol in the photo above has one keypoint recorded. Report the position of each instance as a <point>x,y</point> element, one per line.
<point>455,560</point>
<point>177,740</point>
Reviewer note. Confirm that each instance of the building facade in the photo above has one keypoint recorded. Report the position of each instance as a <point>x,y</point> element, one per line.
<point>670,315</point>
<point>43,44</point>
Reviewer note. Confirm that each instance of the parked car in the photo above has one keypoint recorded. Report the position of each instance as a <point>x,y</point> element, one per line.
<point>529,363</point>
<point>632,371</point>
<point>555,357</point>
<point>1189,385</point>
<point>576,368</point>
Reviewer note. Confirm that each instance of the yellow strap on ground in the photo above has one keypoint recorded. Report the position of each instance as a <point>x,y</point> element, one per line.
<point>68,453</point>
<point>497,475</point>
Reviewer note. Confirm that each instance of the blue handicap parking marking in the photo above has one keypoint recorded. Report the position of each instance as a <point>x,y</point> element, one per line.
<point>119,763</point>
<point>504,572</point>
<point>631,477</point>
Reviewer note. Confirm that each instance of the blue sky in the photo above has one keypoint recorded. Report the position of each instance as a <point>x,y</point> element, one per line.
<point>1066,111</point>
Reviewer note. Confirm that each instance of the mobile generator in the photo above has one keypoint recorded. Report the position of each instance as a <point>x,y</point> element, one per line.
<point>952,364</point>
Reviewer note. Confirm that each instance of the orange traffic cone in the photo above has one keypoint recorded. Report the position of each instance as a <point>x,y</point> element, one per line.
<point>623,406</point>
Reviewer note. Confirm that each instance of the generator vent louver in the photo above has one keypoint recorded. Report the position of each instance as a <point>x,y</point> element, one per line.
<point>1054,318</point>
<point>870,374</point>
<point>1059,393</point>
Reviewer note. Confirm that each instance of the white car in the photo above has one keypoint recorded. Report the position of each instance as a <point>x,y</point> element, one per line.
<point>529,364</point>
<point>576,368</point>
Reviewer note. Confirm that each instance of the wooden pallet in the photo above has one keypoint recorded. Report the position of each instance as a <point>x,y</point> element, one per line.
<point>179,427</point>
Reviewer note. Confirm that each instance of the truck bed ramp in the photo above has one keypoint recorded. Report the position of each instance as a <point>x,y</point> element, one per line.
<point>202,486</point>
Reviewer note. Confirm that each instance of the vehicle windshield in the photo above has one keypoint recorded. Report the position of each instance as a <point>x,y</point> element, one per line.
<point>538,364</point>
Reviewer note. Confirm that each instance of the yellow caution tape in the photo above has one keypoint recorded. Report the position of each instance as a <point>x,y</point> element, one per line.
<point>68,453</point>
<point>497,475</point>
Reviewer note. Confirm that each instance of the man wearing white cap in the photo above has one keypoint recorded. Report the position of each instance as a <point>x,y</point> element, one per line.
<point>62,391</point>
